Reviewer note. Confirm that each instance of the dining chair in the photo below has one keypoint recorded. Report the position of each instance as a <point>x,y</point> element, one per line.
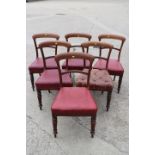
<point>37,65</point>
<point>100,80</point>
<point>49,79</point>
<point>76,63</point>
<point>74,101</point>
<point>114,65</point>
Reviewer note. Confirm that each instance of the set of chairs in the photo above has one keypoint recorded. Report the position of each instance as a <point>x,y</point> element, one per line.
<point>74,74</point>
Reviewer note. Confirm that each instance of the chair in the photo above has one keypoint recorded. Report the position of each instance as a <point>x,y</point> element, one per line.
<point>49,79</point>
<point>100,80</point>
<point>37,65</point>
<point>114,66</point>
<point>76,63</point>
<point>74,101</point>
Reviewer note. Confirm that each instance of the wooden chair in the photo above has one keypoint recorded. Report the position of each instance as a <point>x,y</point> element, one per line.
<point>114,65</point>
<point>100,80</point>
<point>49,79</point>
<point>37,65</point>
<point>74,101</point>
<point>76,63</point>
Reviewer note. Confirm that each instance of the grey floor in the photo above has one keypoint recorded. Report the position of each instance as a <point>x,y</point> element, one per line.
<point>111,136</point>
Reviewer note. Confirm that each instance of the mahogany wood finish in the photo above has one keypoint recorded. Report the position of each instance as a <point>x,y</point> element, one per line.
<point>37,65</point>
<point>74,55</point>
<point>49,79</point>
<point>76,63</point>
<point>99,78</point>
<point>96,44</point>
<point>93,124</point>
<point>50,44</point>
<point>115,67</point>
<point>114,37</point>
<point>70,36</point>
<point>99,45</point>
<point>74,101</point>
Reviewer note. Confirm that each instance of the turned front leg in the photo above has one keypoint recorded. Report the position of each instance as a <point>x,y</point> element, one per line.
<point>93,124</point>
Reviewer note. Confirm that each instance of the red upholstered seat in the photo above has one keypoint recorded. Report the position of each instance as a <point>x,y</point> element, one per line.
<point>37,66</point>
<point>76,64</point>
<point>49,79</point>
<point>74,101</point>
<point>114,66</point>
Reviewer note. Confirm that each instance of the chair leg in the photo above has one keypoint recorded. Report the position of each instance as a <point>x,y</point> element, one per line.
<point>108,100</point>
<point>39,98</point>
<point>119,83</point>
<point>54,125</point>
<point>102,92</point>
<point>32,81</point>
<point>114,78</point>
<point>93,124</point>
<point>49,91</point>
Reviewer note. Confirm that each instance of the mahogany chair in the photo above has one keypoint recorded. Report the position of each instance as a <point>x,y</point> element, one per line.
<point>49,79</point>
<point>76,63</point>
<point>114,65</point>
<point>37,65</point>
<point>74,101</point>
<point>100,80</point>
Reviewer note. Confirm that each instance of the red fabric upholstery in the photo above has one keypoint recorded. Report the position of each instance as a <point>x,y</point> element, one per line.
<point>37,66</point>
<point>49,79</point>
<point>74,101</point>
<point>114,66</point>
<point>77,64</point>
<point>99,80</point>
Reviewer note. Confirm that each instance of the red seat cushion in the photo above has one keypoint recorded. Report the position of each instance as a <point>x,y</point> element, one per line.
<point>114,66</point>
<point>77,64</point>
<point>74,101</point>
<point>37,66</point>
<point>99,80</point>
<point>49,79</point>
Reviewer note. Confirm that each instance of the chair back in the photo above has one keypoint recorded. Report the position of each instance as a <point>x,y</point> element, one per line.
<point>101,47</point>
<point>74,55</point>
<point>122,39</point>
<point>51,44</point>
<point>35,37</point>
<point>71,36</point>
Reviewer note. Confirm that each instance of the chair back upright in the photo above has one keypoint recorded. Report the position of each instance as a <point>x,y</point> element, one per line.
<point>122,39</point>
<point>51,44</point>
<point>50,36</point>
<point>71,36</point>
<point>74,55</point>
<point>101,47</point>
